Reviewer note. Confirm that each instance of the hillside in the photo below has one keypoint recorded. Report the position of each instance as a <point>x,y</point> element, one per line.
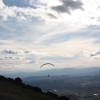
<point>11,90</point>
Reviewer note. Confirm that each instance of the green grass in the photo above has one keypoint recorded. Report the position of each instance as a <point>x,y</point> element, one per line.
<point>10,91</point>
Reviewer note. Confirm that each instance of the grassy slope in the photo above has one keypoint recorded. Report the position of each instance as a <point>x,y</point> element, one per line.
<point>10,91</point>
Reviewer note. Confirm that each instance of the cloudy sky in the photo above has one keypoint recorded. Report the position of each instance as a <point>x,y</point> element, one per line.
<point>63,32</point>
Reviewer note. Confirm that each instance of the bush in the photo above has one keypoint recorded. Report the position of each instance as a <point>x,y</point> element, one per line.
<point>63,98</point>
<point>53,95</point>
<point>2,78</point>
<point>37,89</point>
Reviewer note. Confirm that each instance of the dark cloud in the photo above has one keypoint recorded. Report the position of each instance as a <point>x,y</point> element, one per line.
<point>22,52</point>
<point>98,52</point>
<point>15,52</point>
<point>67,6</point>
<point>52,16</point>
<point>94,55</point>
<point>9,52</point>
<point>13,58</point>
<point>27,52</point>
<point>8,57</point>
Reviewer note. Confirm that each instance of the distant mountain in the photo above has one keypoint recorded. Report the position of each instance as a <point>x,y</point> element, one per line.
<point>56,72</point>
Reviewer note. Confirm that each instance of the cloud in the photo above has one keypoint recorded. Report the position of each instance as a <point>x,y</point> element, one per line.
<point>35,52</point>
<point>93,55</point>
<point>23,52</point>
<point>51,15</point>
<point>1,4</point>
<point>67,6</point>
<point>10,51</point>
<point>2,43</point>
<point>1,58</point>
<point>27,52</point>
<point>8,57</point>
<point>17,58</point>
<point>11,11</point>
<point>32,62</point>
<point>12,58</point>
<point>57,58</point>
<point>54,11</point>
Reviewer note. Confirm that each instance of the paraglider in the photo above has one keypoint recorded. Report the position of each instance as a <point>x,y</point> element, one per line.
<point>48,75</point>
<point>46,64</point>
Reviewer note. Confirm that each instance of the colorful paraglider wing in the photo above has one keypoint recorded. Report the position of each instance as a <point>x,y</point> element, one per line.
<point>46,64</point>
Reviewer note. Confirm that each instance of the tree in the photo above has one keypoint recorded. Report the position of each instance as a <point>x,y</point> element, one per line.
<point>18,80</point>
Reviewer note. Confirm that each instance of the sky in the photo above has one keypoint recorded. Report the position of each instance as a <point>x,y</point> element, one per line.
<point>63,32</point>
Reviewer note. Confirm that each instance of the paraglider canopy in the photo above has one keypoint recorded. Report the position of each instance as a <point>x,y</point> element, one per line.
<point>46,64</point>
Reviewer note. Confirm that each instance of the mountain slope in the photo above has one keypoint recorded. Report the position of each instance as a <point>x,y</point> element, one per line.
<point>11,91</point>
